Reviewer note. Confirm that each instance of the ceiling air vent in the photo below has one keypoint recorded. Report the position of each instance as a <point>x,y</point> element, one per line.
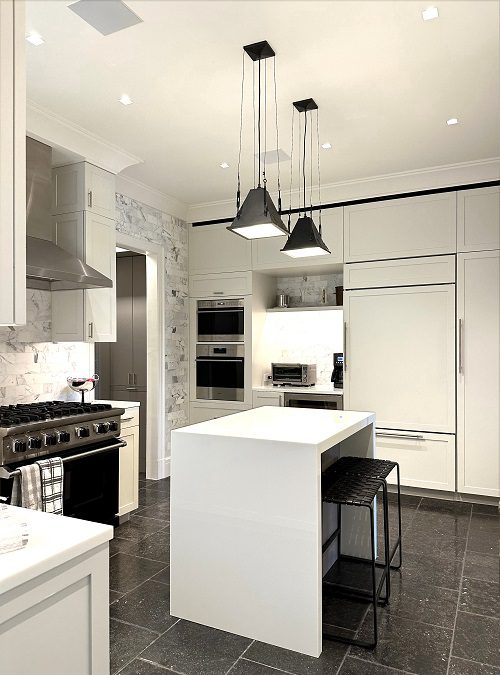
<point>106,16</point>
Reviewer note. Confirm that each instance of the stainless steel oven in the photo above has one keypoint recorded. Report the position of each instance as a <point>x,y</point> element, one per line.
<point>324,401</point>
<point>220,372</point>
<point>221,320</point>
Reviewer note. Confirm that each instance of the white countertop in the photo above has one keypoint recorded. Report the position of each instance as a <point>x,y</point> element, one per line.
<point>303,426</point>
<point>119,404</point>
<point>53,540</point>
<point>315,389</point>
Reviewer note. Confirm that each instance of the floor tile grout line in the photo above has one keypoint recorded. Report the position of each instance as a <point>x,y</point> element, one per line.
<point>395,670</point>
<point>135,625</point>
<point>147,647</point>
<point>239,657</point>
<point>479,663</point>
<point>483,616</point>
<point>142,582</point>
<point>287,672</point>
<point>458,599</point>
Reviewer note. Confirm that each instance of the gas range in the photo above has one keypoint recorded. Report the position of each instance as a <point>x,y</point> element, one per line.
<point>32,430</point>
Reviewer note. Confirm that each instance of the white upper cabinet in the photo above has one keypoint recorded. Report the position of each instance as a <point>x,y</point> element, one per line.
<point>83,186</point>
<point>478,366</point>
<point>400,228</point>
<point>267,255</point>
<point>12,163</point>
<point>478,219</point>
<point>86,315</point>
<point>212,248</point>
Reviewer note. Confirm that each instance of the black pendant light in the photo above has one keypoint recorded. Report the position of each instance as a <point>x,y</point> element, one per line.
<point>258,217</point>
<point>305,239</point>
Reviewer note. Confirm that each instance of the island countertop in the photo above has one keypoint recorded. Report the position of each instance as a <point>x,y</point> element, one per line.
<point>303,426</point>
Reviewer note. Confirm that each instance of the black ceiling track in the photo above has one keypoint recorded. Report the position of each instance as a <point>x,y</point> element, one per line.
<point>258,51</point>
<point>367,200</point>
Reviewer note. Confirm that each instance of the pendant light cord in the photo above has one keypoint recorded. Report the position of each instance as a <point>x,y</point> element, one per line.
<point>319,171</point>
<point>265,120</point>
<point>258,129</point>
<point>253,108</point>
<point>238,192</point>
<point>291,172</point>
<point>304,159</point>
<point>277,134</point>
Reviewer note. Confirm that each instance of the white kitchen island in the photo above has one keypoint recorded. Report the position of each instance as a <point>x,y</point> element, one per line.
<point>247,520</point>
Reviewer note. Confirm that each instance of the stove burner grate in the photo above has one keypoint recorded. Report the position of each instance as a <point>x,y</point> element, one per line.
<point>24,413</point>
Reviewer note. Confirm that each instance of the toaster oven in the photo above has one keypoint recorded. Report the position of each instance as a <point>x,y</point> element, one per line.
<point>294,374</point>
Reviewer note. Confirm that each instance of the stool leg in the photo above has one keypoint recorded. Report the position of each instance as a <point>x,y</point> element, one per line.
<point>399,543</point>
<point>386,542</point>
<point>374,579</point>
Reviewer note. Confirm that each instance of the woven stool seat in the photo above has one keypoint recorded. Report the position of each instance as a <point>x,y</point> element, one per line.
<point>350,489</point>
<point>365,466</point>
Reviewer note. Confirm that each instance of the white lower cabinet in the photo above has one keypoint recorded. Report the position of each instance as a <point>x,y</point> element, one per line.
<point>128,499</point>
<point>261,398</point>
<point>199,412</point>
<point>478,379</point>
<point>425,460</point>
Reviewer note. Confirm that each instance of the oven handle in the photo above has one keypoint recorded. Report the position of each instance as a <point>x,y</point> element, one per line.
<point>4,473</point>
<point>220,360</point>
<point>220,309</point>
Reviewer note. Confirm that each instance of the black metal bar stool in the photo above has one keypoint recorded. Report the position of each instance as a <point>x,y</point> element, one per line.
<point>377,469</point>
<point>350,575</point>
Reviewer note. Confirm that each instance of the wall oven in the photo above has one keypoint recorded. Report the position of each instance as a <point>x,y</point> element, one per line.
<point>220,372</point>
<point>220,320</point>
<point>323,401</point>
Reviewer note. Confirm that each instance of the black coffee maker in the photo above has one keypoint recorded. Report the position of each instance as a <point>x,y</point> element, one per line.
<point>338,370</point>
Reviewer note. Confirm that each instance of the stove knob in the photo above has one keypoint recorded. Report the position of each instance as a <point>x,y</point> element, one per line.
<point>50,439</point>
<point>63,437</point>
<point>82,432</point>
<point>19,446</point>
<point>113,426</point>
<point>101,428</point>
<point>34,442</point>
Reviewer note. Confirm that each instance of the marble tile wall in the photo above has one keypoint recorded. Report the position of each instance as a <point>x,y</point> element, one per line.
<point>32,368</point>
<point>139,220</point>
<point>308,290</point>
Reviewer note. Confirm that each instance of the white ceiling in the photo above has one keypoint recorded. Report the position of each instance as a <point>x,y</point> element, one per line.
<point>385,82</point>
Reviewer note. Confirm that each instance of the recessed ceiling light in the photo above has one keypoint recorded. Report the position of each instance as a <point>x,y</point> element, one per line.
<point>125,99</point>
<point>326,146</point>
<point>35,39</point>
<point>224,165</point>
<point>430,13</point>
<point>452,121</point>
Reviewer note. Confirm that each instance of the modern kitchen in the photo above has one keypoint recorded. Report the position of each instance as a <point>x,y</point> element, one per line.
<point>249,337</point>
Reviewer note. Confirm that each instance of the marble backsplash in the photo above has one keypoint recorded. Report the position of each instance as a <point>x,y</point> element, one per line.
<point>32,368</point>
<point>308,290</point>
<point>139,220</point>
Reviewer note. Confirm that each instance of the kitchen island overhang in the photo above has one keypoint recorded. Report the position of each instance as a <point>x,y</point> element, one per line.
<point>248,523</point>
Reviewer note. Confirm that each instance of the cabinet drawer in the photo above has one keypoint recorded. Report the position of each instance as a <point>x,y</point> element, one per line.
<point>130,418</point>
<point>201,413</point>
<point>231,284</point>
<point>400,228</point>
<point>261,398</point>
<point>478,219</point>
<point>425,460</point>
<point>407,272</point>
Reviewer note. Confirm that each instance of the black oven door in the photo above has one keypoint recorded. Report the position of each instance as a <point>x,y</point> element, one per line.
<point>91,484</point>
<point>221,325</point>
<point>220,379</point>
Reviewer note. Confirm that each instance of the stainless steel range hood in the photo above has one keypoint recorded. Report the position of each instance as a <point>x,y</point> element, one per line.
<point>48,266</point>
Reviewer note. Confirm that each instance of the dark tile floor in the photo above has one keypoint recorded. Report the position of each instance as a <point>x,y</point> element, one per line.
<point>443,617</point>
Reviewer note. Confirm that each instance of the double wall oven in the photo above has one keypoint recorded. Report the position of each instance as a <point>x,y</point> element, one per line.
<point>220,350</point>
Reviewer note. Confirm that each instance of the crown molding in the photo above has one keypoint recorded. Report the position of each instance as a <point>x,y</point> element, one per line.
<point>135,189</point>
<point>446,175</point>
<point>58,132</point>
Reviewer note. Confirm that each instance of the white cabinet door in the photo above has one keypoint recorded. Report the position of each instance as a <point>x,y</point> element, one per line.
<point>86,315</point>
<point>12,163</point>
<point>83,187</point>
<point>225,284</point>
<point>399,356</point>
<point>478,219</point>
<point>478,399</point>
<point>128,499</point>
<point>436,269</point>
<point>261,398</point>
<point>201,413</point>
<point>266,253</point>
<point>100,303</point>
<point>400,228</point>
<point>212,248</point>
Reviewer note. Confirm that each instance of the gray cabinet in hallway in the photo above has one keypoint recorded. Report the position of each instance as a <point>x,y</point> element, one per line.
<point>122,365</point>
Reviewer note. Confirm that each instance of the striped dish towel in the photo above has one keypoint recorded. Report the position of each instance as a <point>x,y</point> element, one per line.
<point>26,488</point>
<point>52,475</point>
